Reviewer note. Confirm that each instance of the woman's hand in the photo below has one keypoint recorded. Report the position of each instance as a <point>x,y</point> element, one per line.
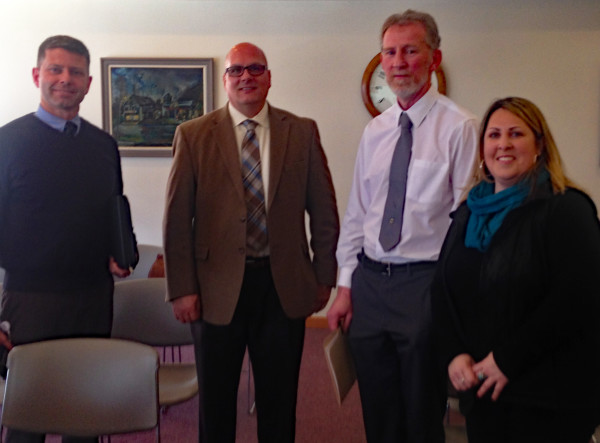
<point>488,371</point>
<point>460,371</point>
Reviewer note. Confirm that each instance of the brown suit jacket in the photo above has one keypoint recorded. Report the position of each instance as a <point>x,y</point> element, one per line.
<point>205,216</point>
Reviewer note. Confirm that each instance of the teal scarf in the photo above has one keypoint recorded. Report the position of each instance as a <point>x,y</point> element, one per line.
<point>488,209</point>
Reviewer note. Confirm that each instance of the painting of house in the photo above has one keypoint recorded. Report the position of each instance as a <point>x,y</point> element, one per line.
<point>149,99</point>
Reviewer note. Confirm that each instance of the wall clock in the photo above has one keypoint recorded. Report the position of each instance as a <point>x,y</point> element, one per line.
<point>376,93</point>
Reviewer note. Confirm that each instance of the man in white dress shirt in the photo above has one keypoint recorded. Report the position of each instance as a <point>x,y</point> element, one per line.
<point>383,292</point>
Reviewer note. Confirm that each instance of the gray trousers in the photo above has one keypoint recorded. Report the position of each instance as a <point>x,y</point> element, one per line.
<point>402,391</point>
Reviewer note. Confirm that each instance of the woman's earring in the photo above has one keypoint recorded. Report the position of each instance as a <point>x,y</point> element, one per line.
<point>485,172</point>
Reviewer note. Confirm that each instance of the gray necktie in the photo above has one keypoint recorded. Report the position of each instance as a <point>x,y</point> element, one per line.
<point>391,225</point>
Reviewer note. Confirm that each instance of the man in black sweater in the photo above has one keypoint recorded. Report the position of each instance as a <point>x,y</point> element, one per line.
<point>57,176</point>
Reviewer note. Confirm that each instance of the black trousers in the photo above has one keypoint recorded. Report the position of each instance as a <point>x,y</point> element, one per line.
<point>401,389</point>
<point>274,344</point>
<point>501,422</point>
<point>35,316</point>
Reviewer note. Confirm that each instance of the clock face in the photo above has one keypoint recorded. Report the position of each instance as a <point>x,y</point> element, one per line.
<point>376,93</point>
<point>379,91</point>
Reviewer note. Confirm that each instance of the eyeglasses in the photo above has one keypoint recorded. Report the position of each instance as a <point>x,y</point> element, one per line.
<point>238,70</point>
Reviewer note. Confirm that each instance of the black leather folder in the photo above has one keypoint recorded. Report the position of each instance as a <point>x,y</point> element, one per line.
<point>124,244</point>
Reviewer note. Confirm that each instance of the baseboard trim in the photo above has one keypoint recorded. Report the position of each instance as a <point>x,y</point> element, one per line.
<point>316,321</point>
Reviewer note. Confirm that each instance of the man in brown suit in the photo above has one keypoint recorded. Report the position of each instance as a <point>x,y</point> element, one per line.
<point>241,277</point>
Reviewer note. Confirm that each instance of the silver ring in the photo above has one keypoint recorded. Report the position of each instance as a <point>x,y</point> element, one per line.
<point>462,381</point>
<point>481,376</point>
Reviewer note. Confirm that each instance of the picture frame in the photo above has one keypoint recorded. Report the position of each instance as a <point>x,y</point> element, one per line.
<point>144,99</point>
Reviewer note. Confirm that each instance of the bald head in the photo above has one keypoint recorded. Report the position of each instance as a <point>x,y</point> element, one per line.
<point>246,49</point>
<point>247,92</point>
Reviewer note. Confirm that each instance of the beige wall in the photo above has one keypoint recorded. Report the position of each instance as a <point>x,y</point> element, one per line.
<point>317,51</point>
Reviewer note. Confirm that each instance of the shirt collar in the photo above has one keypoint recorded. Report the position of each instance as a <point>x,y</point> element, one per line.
<point>262,118</point>
<point>420,109</point>
<point>53,121</point>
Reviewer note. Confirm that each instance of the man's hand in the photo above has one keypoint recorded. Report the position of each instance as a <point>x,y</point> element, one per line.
<point>341,310</point>
<point>116,270</point>
<point>323,294</point>
<point>187,308</point>
<point>5,341</point>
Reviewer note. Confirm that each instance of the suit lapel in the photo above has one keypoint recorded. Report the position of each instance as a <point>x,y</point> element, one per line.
<point>227,147</point>
<point>280,128</point>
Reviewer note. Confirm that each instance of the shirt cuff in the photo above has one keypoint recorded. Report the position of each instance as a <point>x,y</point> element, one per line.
<point>345,276</point>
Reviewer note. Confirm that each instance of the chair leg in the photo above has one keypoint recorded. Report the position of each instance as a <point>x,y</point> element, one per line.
<point>158,429</point>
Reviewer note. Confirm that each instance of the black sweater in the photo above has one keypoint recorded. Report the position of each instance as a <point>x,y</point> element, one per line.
<point>54,205</point>
<point>533,299</point>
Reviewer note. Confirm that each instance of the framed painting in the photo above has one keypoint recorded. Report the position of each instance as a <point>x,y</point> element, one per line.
<point>144,99</point>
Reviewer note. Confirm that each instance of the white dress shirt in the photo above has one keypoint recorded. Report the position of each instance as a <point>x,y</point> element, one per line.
<point>443,154</point>
<point>263,135</point>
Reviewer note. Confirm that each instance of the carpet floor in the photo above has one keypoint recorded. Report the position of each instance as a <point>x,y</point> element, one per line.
<point>319,418</point>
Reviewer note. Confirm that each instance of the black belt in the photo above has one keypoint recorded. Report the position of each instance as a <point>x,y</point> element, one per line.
<point>389,268</point>
<point>257,262</point>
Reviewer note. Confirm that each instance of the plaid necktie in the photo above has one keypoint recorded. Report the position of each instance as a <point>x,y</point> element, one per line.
<point>393,214</point>
<point>256,225</point>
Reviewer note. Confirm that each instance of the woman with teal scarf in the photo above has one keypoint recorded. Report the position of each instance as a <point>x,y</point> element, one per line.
<point>516,298</point>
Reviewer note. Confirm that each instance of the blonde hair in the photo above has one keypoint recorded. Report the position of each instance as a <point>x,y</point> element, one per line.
<point>548,159</point>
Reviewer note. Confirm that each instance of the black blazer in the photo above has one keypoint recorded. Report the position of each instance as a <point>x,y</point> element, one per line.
<point>532,299</point>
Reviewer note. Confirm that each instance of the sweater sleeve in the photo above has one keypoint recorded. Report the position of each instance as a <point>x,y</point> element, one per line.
<point>447,332</point>
<point>570,307</point>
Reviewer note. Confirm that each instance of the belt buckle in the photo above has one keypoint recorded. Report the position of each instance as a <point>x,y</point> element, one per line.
<point>388,269</point>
